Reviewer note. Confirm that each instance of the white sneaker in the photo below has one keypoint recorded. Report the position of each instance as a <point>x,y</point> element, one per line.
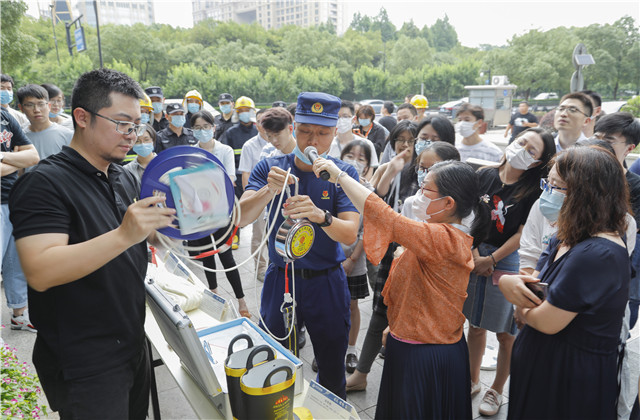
<point>491,402</point>
<point>22,322</point>
<point>475,388</point>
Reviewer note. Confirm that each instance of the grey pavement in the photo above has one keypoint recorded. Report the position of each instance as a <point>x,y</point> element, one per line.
<point>174,405</point>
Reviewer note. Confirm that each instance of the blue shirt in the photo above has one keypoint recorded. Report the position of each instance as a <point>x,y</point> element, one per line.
<point>325,252</point>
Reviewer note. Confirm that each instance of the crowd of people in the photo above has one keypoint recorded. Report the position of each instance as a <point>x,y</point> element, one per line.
<point>534,243</point>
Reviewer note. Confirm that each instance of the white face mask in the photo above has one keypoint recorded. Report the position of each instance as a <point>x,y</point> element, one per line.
<point>465,128</point>
<point>420,206</point>
<point>518,157</point>
<point>358,165</point>
<point>344,125</point>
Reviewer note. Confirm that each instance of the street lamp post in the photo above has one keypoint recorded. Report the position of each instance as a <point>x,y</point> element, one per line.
<point>487,81</point>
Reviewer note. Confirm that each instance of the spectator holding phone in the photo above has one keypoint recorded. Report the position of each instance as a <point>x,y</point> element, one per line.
<point>575,331</point>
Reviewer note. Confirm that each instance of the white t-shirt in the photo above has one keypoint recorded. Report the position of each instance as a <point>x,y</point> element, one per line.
<point>559,148</point>
<point>336,149</point>
<point>225,155</point>
<point>66,121</point>
<point>484,150</point>
<point>269,150</point>
<point>19,116</point>
<point>250,154</point>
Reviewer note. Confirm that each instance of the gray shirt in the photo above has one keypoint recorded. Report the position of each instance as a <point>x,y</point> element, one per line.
<point>50,141</point>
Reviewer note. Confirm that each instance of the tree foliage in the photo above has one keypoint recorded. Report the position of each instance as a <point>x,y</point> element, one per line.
<point>372,59</point>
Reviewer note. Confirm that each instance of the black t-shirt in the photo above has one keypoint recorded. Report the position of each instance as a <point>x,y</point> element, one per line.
<point>388,122</point>
<point>633,180</point>
<point>236,137</point>
<point>377,136</point>
<point>507,214</point>
<point>96,322</point>
<point>159,125</point>
<point>517,120</point>
<point>11,135</point>
<point>167,138</point>
<point>222,125</point>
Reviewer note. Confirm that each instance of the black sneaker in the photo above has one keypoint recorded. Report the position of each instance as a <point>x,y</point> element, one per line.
<point>381,353</point>
<point>351,362</point>
<point>314,365</point>
<point>302,338</point>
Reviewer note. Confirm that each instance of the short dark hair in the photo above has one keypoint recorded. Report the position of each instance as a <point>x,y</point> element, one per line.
<point>31,91</point>
<point>52,90</point>
<point>475,110</point>
<point>367,111</point>
<point>594,142</point>
<point>444,150</point>
<point>205,115</point>
<point>389,106</point>
<point>275,120</point>
<point>459,181</point>
<point>582,97</point>
<point>6,78</point>
<point>597,194</point>
<point>292,108</point>
<point>595,97</point>
<point>363,146</point>
<point>410,107</point>
<point>442,126</point>
<point>524,102</point>
<point>348,104</point>
<point>620,122</point>
<point>93,89</point>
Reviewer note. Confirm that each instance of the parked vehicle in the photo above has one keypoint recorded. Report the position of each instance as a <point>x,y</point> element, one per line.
<point>545,96</point>
<point>376,104</point>
<point>450,109</point>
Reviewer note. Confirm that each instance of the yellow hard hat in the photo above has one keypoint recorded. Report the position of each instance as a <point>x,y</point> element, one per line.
<point>420,102</point>
<point>146,102</point>
<point>244,102</point>
<point>192,94</point>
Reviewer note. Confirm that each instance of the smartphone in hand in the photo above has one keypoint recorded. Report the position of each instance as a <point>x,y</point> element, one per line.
<point>539,289</point>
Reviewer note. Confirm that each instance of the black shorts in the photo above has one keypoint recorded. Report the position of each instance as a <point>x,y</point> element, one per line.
<point>358,287</point>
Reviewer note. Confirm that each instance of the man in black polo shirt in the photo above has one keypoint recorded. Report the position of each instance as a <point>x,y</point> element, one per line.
<point>175,134</point>
<point>81,239</point>
<point>160,122</point>
<point>223,121</point>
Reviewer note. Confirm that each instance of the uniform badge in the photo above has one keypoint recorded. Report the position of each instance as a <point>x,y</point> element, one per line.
<point>317,108</point>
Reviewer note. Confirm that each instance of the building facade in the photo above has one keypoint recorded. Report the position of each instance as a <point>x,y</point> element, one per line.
<point>117,12</point>
<point>272,14</point>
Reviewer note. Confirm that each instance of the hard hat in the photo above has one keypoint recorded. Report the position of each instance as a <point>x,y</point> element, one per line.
<point>420,102</point>
<point>244,102</point>
<point>192,94</point>
<point>146,102</point>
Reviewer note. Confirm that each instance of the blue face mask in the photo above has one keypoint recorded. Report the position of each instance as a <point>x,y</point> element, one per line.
<point>364,121</point>
<point>52,115</point>
<point>421,145</point>
<point>550,204</point>
<point>422,174</point>
<point>225,109</point>
<point>144,118</point>
<point>203,136</point>
<point>157,107</point>
<point>178,120</point>
<point>143,149</point>
<point>245,117</point>
<point>193,108</point>
<point>6,97</point>
<point>303,158</point>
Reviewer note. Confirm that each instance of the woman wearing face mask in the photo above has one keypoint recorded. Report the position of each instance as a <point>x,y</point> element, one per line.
<point>368,129</point>
<point>345,136</point>
<point>394,181</point>
<point>203,127</point>
<point>56,100</point>
<point>469,125</point>
<point>143,148</point>
<point>576,329</point>
<point>512,188</point>
<point>433,129</point>
<point>192,102</point>
<point>358,155</point>
<point>426,371</point>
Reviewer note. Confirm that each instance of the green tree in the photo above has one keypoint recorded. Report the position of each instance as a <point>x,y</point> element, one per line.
<point>382,24</point>
<point>369,82</point>
<point>360,23</point>
<point>18,48</point>
<point>409,29</point>
<point>443,35</point>
<point>408,53</point>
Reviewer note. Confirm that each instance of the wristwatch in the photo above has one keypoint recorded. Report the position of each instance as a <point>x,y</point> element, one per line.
<point>328,219</point>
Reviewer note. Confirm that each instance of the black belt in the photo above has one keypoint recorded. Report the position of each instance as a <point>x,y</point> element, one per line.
<point>307,273</point>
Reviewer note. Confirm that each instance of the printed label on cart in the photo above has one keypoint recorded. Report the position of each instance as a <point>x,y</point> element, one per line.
<point>213,305</point>
<point>324,404</point>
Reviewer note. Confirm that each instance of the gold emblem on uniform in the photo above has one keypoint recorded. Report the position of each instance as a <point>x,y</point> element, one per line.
<point>317,108</point>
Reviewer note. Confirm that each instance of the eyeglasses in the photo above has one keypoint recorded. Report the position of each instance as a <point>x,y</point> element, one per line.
<point>408,142</point>
<point>546,186</point>
<point>40,105</point>
<point>57,102</point>
<point>123,127</point>
<point>572,110</point>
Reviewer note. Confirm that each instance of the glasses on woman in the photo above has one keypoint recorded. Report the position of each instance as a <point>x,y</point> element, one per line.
<point>547,186</point>
<point>408,142</point>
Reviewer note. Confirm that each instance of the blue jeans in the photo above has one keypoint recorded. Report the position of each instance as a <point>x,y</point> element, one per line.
<point>15,283</point>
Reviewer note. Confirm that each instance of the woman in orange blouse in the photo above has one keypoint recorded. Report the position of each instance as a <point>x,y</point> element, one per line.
<point>426,371</point>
